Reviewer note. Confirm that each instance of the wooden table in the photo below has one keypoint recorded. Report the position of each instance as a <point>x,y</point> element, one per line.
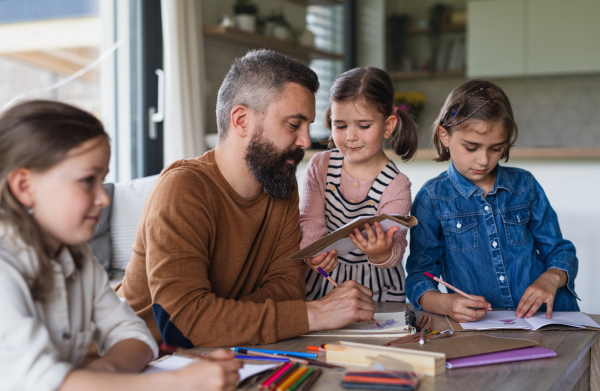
<point>576,366</point>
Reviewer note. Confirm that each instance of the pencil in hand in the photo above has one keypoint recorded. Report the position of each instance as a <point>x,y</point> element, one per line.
<point>444,283</point>
<point>324,273</point>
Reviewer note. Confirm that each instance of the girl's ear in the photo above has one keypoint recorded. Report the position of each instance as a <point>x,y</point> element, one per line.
<point>21,184</point>
<point>390,125</point>
<point>443,135</point>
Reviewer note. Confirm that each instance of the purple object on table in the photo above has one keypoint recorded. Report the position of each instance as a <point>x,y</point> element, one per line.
<point>500,357</point>
<point>323,272</point>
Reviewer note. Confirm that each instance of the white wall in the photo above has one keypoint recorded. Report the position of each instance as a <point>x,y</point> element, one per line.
<point>572,188</point>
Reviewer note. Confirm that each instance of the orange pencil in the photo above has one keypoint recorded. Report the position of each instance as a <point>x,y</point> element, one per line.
<point>292,379</point>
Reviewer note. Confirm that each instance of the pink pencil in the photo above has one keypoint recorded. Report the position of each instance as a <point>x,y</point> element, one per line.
<point>451,287</point>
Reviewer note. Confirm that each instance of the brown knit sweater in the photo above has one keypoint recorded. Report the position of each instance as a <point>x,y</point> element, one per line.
<point>209,267</point>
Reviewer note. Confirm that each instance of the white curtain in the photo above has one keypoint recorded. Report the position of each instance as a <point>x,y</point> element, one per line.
<point>184,66</point>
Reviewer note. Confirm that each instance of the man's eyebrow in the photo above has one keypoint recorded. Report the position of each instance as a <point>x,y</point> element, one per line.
<point>298,116</point>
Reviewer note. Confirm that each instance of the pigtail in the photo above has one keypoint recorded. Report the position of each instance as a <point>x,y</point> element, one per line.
<point>405,139</point>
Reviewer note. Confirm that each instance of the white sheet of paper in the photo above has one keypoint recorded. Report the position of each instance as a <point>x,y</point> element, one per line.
<point>508,320</point>
<point>174,363</point>
<point>345,245</point>
<point>389,322</point>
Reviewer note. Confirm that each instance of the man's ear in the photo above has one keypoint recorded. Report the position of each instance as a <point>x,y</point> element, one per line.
<point>21,184</point>
<point>443,135</point>
<point>240,120</point>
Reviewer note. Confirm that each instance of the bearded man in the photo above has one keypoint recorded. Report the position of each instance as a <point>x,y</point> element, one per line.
<point>209,265</point>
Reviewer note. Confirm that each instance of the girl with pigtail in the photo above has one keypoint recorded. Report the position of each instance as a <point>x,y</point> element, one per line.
<point>356,178</point>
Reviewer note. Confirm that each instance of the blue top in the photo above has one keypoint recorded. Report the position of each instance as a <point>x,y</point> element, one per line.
<point>493,246</point>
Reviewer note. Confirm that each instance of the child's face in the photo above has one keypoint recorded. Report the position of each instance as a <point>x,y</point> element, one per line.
<point>68,197</point>
<point>475,150</point>
<point>358,130</point>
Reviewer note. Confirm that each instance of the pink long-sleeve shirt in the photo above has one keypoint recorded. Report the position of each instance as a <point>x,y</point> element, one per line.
<point>395,199</point>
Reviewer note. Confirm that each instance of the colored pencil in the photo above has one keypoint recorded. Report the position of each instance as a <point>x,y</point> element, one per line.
<point>324,273</point>
<point>444,283</point>
<point>311,380</point>
<point>281,352</point>
<point>292,379</point>
<point>284,376</point>
<point>422,337</point>
<point>258,354</point>
<point>299,382</point>
<point>275,375</point>
<point>315,348</point>
<point>246,357</point>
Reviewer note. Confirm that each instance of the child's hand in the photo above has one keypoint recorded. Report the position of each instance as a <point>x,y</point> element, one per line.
<point>543,290</point>
<point>462,309</point>
<point>326,261</point>
<point>216,372</point>
<point>378,245</point>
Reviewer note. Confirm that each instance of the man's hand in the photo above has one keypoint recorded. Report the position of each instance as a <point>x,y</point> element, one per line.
<point>378,245</point>
<point>351,302</point>
<point>543,290</point>
<point>326,261</point>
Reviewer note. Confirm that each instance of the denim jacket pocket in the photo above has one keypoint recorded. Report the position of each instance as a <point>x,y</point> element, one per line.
<point>515,225</point>
<point>460,233</point>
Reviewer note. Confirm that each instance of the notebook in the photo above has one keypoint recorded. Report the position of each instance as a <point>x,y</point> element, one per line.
<point>390,324</point>
<point>173,363</point>
<point>340,241</point>
<point>500,357</point>
<point>507,320</point>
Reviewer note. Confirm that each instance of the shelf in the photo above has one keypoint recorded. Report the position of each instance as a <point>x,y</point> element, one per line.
<point>417,75</point>
<point>515,153</point>
<point>448,28</point>
<point>232,35</point>
<point>317,2</point>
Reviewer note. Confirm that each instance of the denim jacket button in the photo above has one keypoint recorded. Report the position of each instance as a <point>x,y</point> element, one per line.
<point>458,225</point>
<point>486,208</point>
<point>501,278</point>
<point>494,244</point>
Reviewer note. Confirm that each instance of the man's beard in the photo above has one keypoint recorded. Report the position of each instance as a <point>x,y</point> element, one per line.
<point>270,167</point>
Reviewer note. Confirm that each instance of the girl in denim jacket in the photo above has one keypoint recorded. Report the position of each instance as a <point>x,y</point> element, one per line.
<point>488,230</point>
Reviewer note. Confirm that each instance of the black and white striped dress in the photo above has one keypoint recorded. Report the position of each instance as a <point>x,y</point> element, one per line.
<point>386,284</point>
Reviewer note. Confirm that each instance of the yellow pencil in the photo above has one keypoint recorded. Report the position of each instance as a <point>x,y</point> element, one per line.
<point>292,378</point>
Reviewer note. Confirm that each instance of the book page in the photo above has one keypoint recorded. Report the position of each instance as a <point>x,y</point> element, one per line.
<point>498,320</point>
<point>390,322</point>
<point>574,318</point>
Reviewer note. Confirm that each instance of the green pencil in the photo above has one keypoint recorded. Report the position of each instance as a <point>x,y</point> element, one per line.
<point>283,376</point>
<point>301,379</point>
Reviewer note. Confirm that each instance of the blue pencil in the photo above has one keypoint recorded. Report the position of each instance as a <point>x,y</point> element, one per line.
<point>283,352</point>
<point>260,358</point>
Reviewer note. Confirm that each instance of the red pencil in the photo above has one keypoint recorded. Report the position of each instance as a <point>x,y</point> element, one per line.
<point>453,288</point>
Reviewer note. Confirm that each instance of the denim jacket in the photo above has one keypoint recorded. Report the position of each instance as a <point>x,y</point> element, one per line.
<point>493,246</point>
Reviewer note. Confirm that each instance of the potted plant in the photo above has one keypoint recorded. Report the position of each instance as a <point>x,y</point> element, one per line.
<point>277,26</point>
<point>245,15</point>
<point>410,102</point>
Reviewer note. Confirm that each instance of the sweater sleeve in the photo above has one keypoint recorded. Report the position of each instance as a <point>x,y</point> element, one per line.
<point>396,199</point>
<point>312,202</point>
<point>178,243</point>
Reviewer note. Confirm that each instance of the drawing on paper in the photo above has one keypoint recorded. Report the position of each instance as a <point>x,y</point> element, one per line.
<point>508,321</point>
<point>385,325</point>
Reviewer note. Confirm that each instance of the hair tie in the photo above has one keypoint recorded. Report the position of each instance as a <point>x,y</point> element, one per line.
<point>402,107</point>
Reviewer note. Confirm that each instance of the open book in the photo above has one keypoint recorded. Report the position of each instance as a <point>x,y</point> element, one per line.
<point>340,241</point>
<point>390,325</point>
<point>508,320</point>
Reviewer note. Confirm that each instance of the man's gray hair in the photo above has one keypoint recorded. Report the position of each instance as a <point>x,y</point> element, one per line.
<point>258,79</point>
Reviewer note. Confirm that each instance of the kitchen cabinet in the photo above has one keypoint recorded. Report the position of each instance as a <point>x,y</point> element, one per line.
<point>508,38</point>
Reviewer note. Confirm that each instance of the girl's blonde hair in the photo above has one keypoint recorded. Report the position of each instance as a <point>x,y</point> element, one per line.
<point>373,87</point>
<point>37,135</point>
<point>475,100</point>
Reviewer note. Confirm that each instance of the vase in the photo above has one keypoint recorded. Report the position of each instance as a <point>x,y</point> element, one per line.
<point>245,22</point>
